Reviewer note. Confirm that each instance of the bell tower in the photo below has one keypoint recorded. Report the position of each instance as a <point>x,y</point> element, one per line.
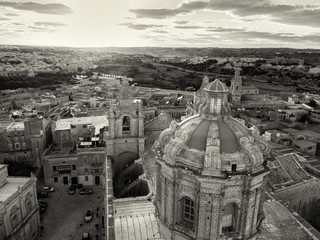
<point>126,125</point>
<point>236,87</point>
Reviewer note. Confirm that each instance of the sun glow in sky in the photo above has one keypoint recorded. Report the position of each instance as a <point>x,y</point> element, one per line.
<point>161,23</point>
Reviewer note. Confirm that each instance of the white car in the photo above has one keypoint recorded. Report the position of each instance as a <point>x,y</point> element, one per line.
<point>47,189</point>
<point>89,215</point>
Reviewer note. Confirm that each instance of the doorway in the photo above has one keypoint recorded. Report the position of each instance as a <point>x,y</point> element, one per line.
<point>97,180</point>
<point>65,180</point>
<point>74,180</point>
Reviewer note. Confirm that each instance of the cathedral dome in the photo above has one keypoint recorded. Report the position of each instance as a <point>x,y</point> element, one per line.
<point>212,142</point>
<point>217,86</point>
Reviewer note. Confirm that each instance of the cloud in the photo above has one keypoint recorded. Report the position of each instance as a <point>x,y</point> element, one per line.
<point>48,24</point>
<point>140,26</point>
<point>221,29</point>
<point>4,19</point>
<point>309,17</point>
<point>159,31</point>
<point>303,15</point>
<point>188,27</point>
<point>40,29</point>
<point>180,22</point>
<point>50,8</point>
<point>284,37</point>
<point>18,24</point>
<point>11,14</point>
<point>167,13</point>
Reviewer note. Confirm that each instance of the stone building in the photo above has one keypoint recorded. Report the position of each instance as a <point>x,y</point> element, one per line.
<point>25,140</point>
<point>237,90</point>
<point>77,154</point>
<point>74,165</point>
<point>210,174</point>
<point>19,210</point>
<point>125,133</point>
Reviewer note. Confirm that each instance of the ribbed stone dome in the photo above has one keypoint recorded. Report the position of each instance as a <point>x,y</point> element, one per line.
<point>212,142</point>
<point>217,86</point>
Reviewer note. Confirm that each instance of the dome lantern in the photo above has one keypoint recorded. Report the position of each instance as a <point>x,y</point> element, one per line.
<point>215,104</point>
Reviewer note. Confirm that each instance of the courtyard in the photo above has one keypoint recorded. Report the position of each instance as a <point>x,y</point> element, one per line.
<point>64,216</point>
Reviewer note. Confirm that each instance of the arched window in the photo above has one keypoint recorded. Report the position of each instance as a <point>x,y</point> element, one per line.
<point>229,219</point>
<point>126,123</point>
<point>215,106</point>
<point>188,213</point>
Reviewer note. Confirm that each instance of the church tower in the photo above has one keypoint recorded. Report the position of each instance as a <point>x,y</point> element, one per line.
<point>236,87</point>
<point>210,174</point>
<point>198,97</point>
<point>126,128</point>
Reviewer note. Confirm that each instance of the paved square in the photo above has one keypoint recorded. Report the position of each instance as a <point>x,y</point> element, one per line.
<point>64,218</point>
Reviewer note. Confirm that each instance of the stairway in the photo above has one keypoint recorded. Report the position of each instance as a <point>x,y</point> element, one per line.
<point>130,186</point>
<point>128,168</point>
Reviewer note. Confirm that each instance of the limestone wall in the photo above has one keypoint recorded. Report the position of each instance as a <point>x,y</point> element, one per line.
<point>304,198</point>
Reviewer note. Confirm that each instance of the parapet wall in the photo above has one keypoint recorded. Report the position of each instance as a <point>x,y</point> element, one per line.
<point>304,199</point>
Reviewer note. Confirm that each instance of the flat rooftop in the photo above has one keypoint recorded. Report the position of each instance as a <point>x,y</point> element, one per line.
<point>97,121</point>
<point>16,125</point>
<point>5,124</point>
<point>11,186</point>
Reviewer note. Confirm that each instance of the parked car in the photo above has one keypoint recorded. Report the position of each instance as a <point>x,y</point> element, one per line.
<point>86,236</point>
<point>89,215</point>
<point>47,189</point>
<point>72,189</point>
<point>43,204</point>
<point>43,194</point>
<point>86,191</point>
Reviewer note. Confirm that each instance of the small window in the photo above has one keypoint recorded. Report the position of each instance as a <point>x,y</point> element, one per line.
<point>84,126</point>
<point>55,179</point>
<point>234,167</point>
<point>309,148</point>
<point>86,178</point>
<point>86,169</point>
<point>17,146</point>
<point>74,167</point>
<point>73,126</point>
<point>54,168</point>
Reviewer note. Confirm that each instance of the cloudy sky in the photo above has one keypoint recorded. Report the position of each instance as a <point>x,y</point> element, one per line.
<point>161,23</point>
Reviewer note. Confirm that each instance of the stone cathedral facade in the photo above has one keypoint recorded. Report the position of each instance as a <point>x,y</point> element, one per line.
<point>210,174</point>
